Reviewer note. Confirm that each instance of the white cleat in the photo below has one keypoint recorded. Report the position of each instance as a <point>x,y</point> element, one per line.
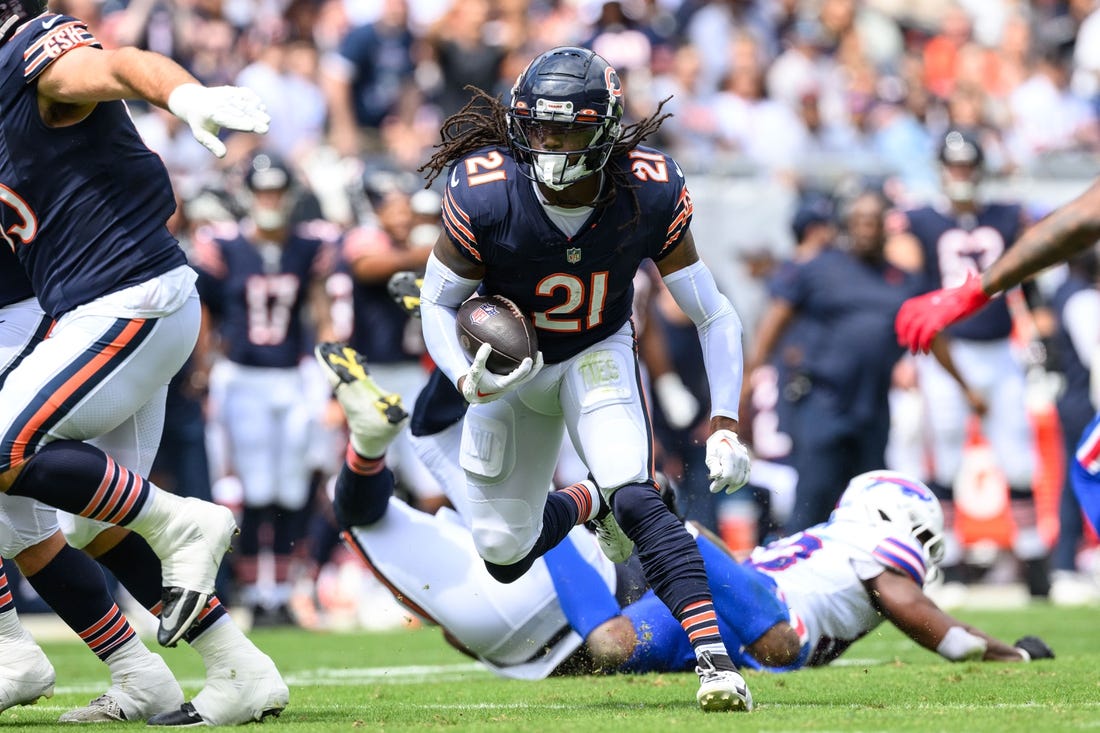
<point>136,694</point>
<point>613,541</point>
<point>191,546</point>
<point>374,416</point>
<point>721,690</point>
<point>240,688</point>
<point>25,673</point>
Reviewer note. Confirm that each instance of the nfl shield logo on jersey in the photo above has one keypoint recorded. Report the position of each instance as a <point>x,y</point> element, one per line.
<point>573,255</point>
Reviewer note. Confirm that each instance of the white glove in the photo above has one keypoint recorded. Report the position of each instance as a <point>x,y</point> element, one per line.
<point>677,402</point>
<point>208,109</point>
<point>728,461</point>
<point>481,385</point>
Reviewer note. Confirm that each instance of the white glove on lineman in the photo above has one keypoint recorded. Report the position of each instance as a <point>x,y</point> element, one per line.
<point>677,402</point>
<point>208,109</point>
<point>728,461</point>
<point>481,385</point>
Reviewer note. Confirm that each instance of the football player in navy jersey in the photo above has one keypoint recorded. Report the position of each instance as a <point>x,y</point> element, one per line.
<point>84,206</point>
<point>552,203</point>
<point>800,601</point>
<point>242,682</point>
<point>262,281</point>
<point>959,236</point>
<point>1069,229</point>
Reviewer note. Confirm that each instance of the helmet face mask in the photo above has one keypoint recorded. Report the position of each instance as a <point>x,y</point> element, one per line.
<point>15,12</point>
<point>889,497</point>
<point>565,116</point>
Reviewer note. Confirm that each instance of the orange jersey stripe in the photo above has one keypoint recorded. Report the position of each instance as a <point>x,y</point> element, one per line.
<point>70,386</point>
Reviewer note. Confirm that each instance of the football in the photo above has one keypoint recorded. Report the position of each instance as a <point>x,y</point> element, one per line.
<point>495,320</point>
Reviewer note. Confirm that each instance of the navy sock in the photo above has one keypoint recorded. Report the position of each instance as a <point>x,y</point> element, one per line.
<point>74,587</point>
<point>363,490</point>
<point>672,564</point>
<point>137,567</point>
<point>81,479</point>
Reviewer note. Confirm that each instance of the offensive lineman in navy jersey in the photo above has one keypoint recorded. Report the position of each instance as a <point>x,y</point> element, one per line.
<point>964,235</point>
<point>262,282</point>
<point>552,203</point>
<point>242,682</point>
<point>84,205</point>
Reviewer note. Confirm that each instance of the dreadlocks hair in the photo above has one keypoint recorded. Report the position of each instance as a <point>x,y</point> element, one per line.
<point>483,122</point>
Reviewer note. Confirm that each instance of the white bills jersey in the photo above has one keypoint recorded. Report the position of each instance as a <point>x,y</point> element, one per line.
<point>430,563</point>
<point>820,574</point>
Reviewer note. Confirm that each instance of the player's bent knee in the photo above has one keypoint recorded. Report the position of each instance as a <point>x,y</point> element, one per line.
<point>80,532</point>
<point>635,505</point>
<point>498,547</point>
<point>778,647</point>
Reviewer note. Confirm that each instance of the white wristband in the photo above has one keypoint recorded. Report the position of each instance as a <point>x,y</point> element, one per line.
<point>959,644</point>
<point>1023,653</point>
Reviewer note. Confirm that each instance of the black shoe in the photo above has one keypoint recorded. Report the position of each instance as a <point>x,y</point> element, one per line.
<point>185,717</point>
<point>179,610</point>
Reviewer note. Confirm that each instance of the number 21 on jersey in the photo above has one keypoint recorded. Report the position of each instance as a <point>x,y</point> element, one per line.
<point>581,299</point>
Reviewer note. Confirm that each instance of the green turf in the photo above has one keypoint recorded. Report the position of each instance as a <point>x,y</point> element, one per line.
<point>411,681</point>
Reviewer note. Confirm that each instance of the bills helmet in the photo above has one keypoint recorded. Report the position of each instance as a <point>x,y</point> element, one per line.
<point>890,497</point>
<point>571,92</point>
<point>14,12</point>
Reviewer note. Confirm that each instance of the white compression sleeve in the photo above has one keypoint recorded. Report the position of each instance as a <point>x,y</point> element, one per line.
<point>694,290</point>
<point>441,294</point>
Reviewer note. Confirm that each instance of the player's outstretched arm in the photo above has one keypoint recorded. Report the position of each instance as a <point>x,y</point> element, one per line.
<point>85,76</point>
<point>693,288</point>
<point>905,605</point>
<point>1067,230</point>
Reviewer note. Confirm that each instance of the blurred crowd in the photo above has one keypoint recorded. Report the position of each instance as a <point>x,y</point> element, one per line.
<point>799,94</point>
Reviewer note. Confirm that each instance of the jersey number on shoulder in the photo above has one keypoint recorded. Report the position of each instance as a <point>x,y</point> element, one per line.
<point>270,300</point>
<point>781,555</point>
<point>482,169</point>
<point>590,301</point>
<point>648,166</point>
<point>961,252</point>
<point>26,228</point>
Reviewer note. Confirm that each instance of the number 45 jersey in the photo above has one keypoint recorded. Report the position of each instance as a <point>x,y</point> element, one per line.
<point>577,289</point>
<point>84,206</point>
<point>820,574</point>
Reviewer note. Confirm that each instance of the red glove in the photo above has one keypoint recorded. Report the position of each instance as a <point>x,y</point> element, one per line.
<point>923,317</point>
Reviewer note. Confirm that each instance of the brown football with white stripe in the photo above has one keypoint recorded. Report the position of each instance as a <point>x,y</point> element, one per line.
<point>497,321</point>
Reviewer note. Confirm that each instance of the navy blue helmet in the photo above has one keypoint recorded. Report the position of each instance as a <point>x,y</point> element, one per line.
<point>574,93</point>
<point>14,12</point>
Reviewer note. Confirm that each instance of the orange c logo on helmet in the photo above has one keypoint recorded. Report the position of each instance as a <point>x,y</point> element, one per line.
<point>611,79</point>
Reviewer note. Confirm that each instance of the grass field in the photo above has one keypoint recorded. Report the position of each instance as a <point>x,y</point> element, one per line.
<point>412,681</point>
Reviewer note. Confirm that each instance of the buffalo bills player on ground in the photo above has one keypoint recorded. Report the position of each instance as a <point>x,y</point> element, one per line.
<point>1067,230</point>
<point>797,602</point>
<point>263,283</point>
<point>960,235</point>
<point>242,683</point>
<point>552,203</point>
<point>84,204</point>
